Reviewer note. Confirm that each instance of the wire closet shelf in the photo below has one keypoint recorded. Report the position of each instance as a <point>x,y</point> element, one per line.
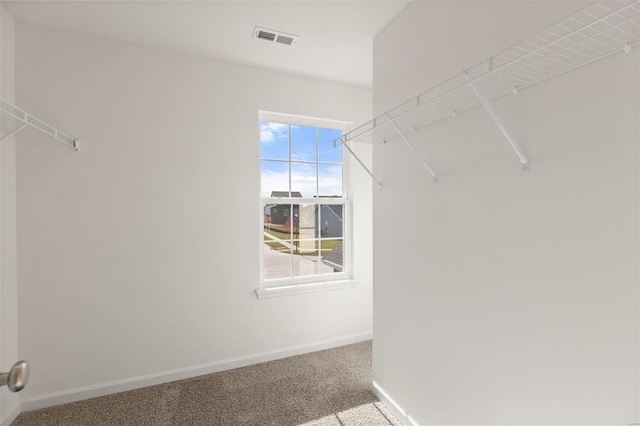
<point>593,33</point>
<point>15,120</point>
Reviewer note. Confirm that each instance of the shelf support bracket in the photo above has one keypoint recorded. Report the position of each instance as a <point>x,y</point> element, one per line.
<point>524,161</point>
<point>359,161</point>
<point>27,120</point>
<point>413,149</point>
<point>13,132</point>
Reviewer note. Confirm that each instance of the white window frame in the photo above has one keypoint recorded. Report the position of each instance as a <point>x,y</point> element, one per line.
<point>306,284</point>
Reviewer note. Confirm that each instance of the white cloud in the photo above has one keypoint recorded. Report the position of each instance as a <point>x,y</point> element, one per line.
<point>301,156</point>
<point>266,136</point>
<point>270,131</point>
<point>305,183</point>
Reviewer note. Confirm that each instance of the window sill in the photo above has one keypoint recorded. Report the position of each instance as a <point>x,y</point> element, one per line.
<point>289,290</point>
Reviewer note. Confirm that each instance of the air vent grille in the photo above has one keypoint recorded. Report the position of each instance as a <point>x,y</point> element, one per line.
<point>264,35</point>
<point>285,40</point>
<point>275,36</point>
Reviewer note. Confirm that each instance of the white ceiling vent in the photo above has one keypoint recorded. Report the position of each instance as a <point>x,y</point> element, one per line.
<point>276,36</point>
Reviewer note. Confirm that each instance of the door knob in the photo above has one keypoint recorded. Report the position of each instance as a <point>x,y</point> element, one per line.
<point>16,379</point>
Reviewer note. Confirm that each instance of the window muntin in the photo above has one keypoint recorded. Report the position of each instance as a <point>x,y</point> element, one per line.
<point>304,204</point>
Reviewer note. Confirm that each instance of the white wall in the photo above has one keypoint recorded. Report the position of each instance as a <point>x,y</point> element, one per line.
<point>138,254</point>
<point>503,297</point>
<point>8,266</point>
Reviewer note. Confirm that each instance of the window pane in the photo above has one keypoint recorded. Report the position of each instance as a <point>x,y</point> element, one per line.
<point>278,223</point>
<point>329,180</point>
<point>332,259</point>
<point>274,140</point>
<point>329,154</point>
<point>277,241</point>
<point>274,178</point>
<point>308,221</point>
<point>303,143</point>
<point>301,240</point>
<point>305,258</point>
<point>331,221</point>
<point>303,180</point>
<point>277,263</point>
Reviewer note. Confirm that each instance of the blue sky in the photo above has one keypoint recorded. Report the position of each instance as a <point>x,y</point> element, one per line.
<point>274,145</point>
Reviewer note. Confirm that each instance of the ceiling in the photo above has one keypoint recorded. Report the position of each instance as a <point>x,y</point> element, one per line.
<point>335,41</point>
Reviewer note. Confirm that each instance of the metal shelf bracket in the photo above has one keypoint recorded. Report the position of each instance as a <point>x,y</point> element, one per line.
<point>413,149</point>
<point>524,161</point>
<point>13,132</point>
<point>601,29</point>
<point>359,161</point>
<point>23,120</point>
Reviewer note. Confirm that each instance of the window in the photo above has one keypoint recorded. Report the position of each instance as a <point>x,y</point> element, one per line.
<point>304,204</point>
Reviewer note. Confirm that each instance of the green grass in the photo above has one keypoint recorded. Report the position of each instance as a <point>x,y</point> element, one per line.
<point>327,245</point>
<point>274,245</point>
<point>279,234</point>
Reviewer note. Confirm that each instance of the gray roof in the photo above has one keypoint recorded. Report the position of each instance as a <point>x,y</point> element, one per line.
<point>334,258</point>
<point>284,194</point>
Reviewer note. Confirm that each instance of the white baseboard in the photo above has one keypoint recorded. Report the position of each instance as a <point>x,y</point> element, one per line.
<point>392,405</point>
<point>11,415</point>
<point>102,389</point>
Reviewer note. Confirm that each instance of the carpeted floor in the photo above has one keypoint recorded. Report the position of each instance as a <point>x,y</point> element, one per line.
<point>322,388</point>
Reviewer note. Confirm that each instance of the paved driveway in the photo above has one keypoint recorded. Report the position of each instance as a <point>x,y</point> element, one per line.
<point>278,265</point>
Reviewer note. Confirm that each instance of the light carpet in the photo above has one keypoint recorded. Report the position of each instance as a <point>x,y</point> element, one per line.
<point>329,388</point>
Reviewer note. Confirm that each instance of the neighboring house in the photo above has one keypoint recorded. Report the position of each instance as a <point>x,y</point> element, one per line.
<point>280,214</point>
<point>330,225</point>
<point>327,224</point>
<point>334,258</point>
<point>284,194</point>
